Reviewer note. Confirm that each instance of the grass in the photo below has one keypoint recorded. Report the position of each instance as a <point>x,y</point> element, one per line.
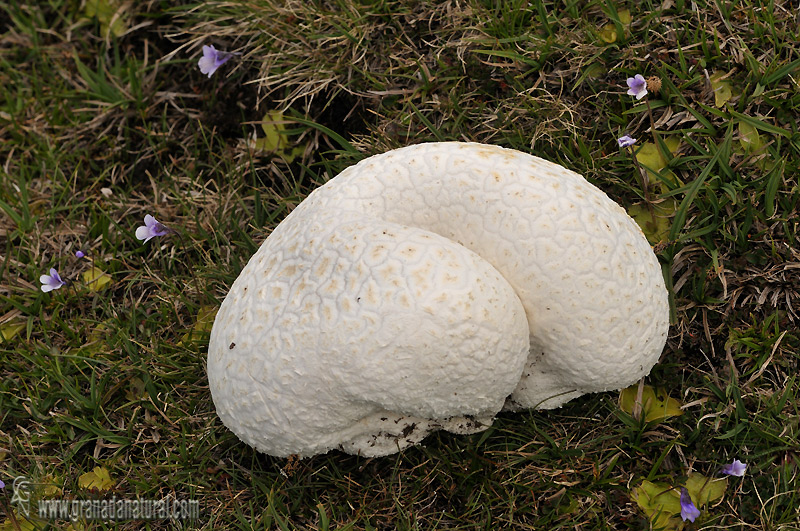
<point>99,129</point>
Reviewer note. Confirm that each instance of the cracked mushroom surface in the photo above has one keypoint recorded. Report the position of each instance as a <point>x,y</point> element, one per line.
<point>431,287</point>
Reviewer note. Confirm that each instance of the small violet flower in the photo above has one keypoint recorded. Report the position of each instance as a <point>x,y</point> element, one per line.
<point>79,254</point>
<point>626,141</point>
<point>51,281</point>
<point>637,86</point>
<point>688,510</point>
<point>213,59</point>
<point>2,485</point>
<point>736,468</point>
<point>151,229</point>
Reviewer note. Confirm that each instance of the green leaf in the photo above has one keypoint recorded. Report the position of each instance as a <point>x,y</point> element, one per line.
<point>96,279</point>
<point>655,223</point>
<point>749,138</point>
<point>264,144</point>
<point>97,479</point>
<point>651,158</point>
<point>275,139</point>
<point>136,390</point>
<point>608,33</point>
<point>661,503</point>
<point>656,404</point>
<point>49,486</point>
<point>705,490</point>
<point>760,124</point>
<point>672,142</point>
<point>19,523</point>
<point>274,128</point>
<point>722,90</point>
<point>624,16</point>
<point>202,326</point>
<point>96,340</point>
<point>654,220</point>
<point>10,330</point>
<point>293,154</point>
<point>110,14</point>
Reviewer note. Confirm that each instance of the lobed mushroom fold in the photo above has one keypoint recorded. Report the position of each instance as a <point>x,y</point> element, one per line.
<point>431,287</point>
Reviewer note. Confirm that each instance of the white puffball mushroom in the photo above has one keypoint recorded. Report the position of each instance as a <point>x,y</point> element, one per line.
<point>429,288</point>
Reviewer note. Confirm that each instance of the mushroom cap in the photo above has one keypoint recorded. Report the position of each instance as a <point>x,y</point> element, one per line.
<point>429,288</point>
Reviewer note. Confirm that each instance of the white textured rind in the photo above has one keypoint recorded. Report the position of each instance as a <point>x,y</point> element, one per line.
<point>428,288</point>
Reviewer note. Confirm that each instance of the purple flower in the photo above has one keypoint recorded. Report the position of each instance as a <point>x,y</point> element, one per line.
<point>736,468</point>
<point>213,59</point>
<point>2,485</point>
<point>637,86</point>
<point>79,254</point>
<point>688,510</point>
<point>151,229</point>
<point>625,141</point>
<point>51,281</point>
